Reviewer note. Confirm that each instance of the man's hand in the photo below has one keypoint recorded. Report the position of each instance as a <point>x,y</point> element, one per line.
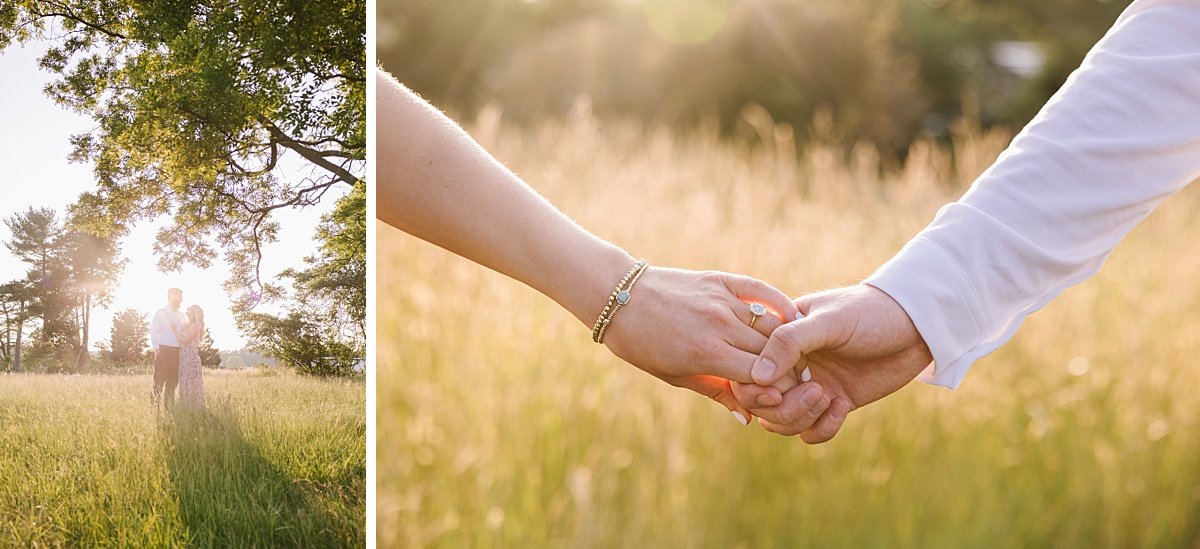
<point>859,346</point>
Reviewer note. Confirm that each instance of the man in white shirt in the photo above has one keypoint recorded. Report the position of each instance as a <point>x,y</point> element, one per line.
<point>1121,135</point>
<point>166,347</point>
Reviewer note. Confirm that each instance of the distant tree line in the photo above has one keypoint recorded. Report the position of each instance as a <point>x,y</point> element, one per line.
<point>129,343</point>
<point>47,313</point>
<point>882,71</point>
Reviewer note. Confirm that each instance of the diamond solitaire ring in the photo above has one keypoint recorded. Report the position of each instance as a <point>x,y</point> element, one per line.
<point>756,310</point>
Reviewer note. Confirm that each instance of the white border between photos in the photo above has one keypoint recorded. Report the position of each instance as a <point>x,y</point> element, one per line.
<point>371,293</point>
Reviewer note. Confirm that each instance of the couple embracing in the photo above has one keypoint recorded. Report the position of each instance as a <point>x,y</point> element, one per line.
<point>175,337</point>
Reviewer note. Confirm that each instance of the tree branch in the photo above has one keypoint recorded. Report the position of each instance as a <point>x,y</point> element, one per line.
<point>67,14</point>
<point>312,155</point>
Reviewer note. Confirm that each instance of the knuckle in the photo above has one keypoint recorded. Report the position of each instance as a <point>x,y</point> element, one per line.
<point>789,413</point>
<point>712,278</point>
<point>769,323</point>
<point>805,418</point>
<point>787,337</point>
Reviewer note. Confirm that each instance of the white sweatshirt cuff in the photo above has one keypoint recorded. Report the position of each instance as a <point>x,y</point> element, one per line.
<point>936,294</point>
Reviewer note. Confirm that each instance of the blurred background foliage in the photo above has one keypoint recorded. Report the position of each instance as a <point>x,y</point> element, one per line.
<point>881,71</point>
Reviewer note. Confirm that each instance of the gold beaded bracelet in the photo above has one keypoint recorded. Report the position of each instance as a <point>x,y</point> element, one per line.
<point>612,299</point>
<point>618,297</point>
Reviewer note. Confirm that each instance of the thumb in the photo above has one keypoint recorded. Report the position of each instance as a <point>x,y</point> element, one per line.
<point>789,344</point>
<point>719,389</point>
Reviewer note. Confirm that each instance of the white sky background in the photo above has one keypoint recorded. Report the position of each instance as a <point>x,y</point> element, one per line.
<point>34,144</point>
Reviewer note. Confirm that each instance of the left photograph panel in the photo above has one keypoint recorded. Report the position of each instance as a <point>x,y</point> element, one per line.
<point>182,277</point>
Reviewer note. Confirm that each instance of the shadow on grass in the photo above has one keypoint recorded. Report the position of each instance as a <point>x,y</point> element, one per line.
<point>230,495</point>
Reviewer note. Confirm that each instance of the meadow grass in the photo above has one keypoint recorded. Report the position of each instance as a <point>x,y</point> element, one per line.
<point>274,460</point>
<point>502,425</point>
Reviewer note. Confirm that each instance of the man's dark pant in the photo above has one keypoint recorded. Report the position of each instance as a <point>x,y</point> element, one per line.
<point>166,373</point>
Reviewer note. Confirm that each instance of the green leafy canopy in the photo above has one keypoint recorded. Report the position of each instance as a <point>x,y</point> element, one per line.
<point>198,104</point>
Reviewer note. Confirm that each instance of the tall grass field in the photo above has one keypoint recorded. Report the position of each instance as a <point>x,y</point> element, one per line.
<point>502,425</point>
<point>275,460</point>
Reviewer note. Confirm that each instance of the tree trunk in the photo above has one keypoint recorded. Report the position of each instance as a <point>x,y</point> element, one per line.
<point>17,348</point>
<point>7,342</point>
<point>85,317</point>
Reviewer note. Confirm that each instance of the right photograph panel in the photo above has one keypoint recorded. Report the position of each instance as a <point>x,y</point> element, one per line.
<point>762,273</point>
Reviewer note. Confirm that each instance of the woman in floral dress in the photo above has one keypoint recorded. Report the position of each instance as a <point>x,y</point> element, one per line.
<point>191,381</point>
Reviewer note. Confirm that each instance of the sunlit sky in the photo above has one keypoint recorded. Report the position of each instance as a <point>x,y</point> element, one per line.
<point>34,145</point>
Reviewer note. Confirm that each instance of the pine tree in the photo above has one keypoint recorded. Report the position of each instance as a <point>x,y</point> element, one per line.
<point>127,343</point>
<point>209,355</point>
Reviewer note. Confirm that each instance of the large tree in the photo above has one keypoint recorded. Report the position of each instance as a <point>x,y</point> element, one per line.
<point>215,113</point>
<point>70,273</point>
<point>324,330</point>
<point>36,237</point>
<point>335,282</point>
<point>92,267</point>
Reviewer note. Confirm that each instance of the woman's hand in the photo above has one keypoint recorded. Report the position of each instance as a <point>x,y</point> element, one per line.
<point>692,329</point>
<point>687,328</point>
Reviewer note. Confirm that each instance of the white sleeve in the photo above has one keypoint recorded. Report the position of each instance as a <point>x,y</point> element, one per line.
<point>1122,134</point>
<point>155,330</point>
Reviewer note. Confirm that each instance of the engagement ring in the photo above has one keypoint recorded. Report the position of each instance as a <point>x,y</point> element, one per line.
<point>756,310</point>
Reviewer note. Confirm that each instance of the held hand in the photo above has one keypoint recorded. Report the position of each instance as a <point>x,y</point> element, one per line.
<point>692,329</point>
<point>859,346</point>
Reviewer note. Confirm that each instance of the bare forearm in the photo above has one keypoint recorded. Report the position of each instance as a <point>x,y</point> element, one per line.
<point>438,184</point>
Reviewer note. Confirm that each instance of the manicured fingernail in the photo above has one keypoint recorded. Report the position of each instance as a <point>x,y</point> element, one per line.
<point>767,400</point>
<point>741,419</point>
<point>810,396</point>
<point>799,315</point>
<point>763,371</point>
<point>805,375</point>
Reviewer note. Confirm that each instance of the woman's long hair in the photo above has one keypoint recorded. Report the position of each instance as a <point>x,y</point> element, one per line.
<point>198,313</point>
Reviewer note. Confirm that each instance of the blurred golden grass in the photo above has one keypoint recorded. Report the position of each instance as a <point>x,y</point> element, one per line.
<point>276,460</point>
<point>502,425</point>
